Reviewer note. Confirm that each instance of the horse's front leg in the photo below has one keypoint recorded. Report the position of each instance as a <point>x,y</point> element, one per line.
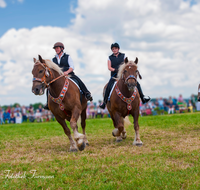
<point>79,138</point>
<point>73,147</point>
<point>137,140</point>
<point>119,126</point>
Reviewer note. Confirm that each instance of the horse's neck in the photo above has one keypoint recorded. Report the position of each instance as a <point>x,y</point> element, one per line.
<point>124,89</point>
<point>56,87</point>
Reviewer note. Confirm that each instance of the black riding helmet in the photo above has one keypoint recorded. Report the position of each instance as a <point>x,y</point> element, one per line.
<point>115,45</point>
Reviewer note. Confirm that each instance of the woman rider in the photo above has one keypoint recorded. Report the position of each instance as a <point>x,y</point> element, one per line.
<point>64,61</point>
<point>114,61</point>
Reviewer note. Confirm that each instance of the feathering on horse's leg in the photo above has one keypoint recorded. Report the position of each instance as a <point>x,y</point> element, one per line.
<point>137,140</point>
<point>79,138</point>
<point>73,147</point>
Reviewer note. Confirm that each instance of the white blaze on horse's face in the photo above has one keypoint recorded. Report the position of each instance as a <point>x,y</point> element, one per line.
<point>130,77</point>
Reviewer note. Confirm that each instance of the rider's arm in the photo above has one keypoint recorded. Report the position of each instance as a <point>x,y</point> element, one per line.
<point>109,66</point>
<point>71,66</point>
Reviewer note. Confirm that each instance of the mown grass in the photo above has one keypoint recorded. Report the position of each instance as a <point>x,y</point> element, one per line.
<point>169,158</point>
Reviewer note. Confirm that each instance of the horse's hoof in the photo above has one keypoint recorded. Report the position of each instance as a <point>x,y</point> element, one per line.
<point>119,140</point>
<point>87,144</point>
<point>123,136</point>
<point>73,150</point>
<point>82,146</point>
<point>113,134</point>
<point>138,144</point>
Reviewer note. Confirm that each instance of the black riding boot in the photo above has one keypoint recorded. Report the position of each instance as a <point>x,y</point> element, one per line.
<point>107,92</point>
<point>82,86</point>
<point>144,99</point>
<point>46,107</point>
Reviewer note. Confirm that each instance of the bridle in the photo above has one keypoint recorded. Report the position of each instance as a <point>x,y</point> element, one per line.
<point>129,77</point>
<point>46,74</point>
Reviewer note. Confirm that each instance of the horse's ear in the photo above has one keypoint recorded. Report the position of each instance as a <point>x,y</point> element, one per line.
<point>126,60</point>
<point>41,60</point>
<point>34,60</point>
<point>136,60</point>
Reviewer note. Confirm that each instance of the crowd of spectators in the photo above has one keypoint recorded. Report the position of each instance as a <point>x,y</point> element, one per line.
<point>156,106</point>
<point>17,114</point>
<point>169,106</point>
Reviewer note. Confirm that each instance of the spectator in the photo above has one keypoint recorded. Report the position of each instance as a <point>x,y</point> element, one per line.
<point>161,103</point>
<point>18,116</point>
<point>190,106</point>
<point>171,107</point>
<point>1,116</point>
<point>180,98</point>
<point>24,114</point>
<point>17,108</point>
<point>6,116</point>
<point>12,115</point>
<point>99,110</point>
<point>38,116</point>
<point>193,101</point>
<point>31,114</point>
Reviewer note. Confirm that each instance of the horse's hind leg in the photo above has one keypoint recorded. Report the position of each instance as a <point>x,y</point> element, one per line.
<point>73,147</point>
<point>83,124</point>
<point>79,138</point>
<point>137,140</point>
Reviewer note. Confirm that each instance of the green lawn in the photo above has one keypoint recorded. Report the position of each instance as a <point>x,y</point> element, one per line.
<point>36,156</point>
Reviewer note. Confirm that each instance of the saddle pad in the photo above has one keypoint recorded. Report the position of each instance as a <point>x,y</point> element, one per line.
<point>112,90</point>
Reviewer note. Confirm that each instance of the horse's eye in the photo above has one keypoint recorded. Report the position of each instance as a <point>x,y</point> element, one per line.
<point>125,71</point>
<point>40,71</point>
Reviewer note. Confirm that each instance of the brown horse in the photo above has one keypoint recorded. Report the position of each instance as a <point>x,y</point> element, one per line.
<point>63,100</point>
<point>125,100</point>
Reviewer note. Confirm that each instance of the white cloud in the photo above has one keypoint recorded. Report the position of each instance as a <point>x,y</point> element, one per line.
<point>2,4</point>
<point>163,35</point>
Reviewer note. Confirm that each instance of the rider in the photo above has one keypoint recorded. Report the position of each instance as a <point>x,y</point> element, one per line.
<point>114,61</point>
<point>64,61</point>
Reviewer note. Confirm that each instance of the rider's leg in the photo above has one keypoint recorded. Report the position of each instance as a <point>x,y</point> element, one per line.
<point>107,92</point>
<point>144,99</point>
<point>46,107</point>
<point>84,89</point>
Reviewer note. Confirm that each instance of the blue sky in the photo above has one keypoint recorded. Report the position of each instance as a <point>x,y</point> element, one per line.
<point>164,35</point>
<point>32,13</point>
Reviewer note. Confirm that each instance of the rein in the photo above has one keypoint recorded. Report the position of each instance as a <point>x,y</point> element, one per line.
<point>47,71</point>
<point>63,91</point>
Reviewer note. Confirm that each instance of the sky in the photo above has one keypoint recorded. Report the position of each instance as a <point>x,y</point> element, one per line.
<point>164,35</point>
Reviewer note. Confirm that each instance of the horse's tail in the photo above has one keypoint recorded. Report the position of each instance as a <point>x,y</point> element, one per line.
<point>127,121</point>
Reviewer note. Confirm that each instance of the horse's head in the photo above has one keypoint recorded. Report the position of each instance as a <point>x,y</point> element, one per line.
<point>41,76</point>
<point>128,72</point>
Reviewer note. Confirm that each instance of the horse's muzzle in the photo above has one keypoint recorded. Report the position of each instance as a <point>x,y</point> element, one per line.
<point>38,90</point>
<point>131,86</point>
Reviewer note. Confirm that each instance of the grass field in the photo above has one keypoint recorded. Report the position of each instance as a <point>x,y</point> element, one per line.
<point>36,156</point>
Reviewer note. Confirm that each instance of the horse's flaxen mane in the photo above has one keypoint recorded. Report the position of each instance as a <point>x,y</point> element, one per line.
<point>52,65</point>
<point>122,67</point>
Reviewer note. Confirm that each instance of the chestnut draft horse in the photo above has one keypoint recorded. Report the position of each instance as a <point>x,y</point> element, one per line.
<point>125,100</point>
<point>64,99</point>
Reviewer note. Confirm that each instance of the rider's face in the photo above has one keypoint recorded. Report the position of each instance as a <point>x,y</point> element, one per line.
<point>115,50</point>
<point>57,49</point>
